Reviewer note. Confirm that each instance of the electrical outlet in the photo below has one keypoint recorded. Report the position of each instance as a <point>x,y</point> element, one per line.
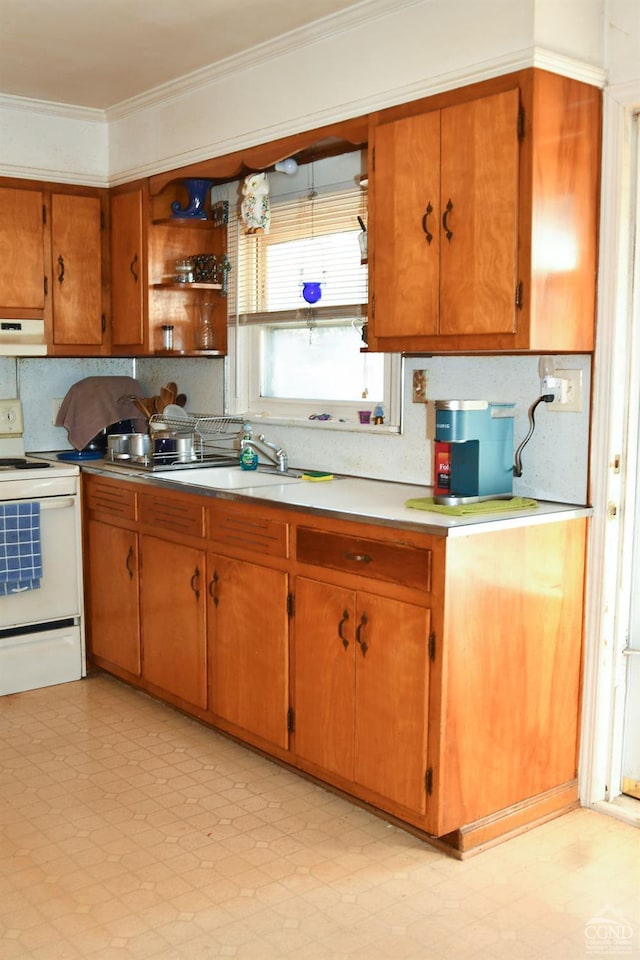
<point>55,406</point>
<point>419,394</point>
<point>11,422</point>
<point>572,391</point>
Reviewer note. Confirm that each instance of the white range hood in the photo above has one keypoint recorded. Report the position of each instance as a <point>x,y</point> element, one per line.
<point>22,338</point>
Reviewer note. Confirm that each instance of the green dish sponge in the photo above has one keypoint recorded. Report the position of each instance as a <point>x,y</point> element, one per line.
<point>316,475</point>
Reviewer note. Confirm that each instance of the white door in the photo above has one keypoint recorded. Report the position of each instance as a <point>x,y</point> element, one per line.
<point>630,754</point>
<point>631,730</point>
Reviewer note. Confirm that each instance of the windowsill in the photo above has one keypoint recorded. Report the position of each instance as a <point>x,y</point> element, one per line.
<point>344,426</point>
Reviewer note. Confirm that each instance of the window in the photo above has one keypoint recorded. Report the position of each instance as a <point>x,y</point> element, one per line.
<point>298,301</point>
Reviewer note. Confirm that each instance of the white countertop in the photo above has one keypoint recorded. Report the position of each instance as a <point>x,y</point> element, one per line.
<point>373,501</point>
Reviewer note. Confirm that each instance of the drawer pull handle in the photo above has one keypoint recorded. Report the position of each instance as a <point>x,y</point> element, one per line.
<point>213,588</point>
<point>362,643</point>
<point>128,563</point>
<point>427,214</point>
<point>345,617</point>
<point>358,557</point>
<point>195,582</point>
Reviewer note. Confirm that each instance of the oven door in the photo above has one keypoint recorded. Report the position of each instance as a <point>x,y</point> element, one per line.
<point>59,596</point>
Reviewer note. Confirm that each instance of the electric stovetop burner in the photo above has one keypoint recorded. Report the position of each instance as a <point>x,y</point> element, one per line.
<point>21,463</point>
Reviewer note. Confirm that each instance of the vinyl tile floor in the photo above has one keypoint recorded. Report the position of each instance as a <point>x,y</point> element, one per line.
<point>131,832</point>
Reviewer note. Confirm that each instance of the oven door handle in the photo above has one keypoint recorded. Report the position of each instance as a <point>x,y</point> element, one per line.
<point>56,503</point>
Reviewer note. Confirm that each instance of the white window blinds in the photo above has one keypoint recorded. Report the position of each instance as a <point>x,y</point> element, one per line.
<point>312,240</point>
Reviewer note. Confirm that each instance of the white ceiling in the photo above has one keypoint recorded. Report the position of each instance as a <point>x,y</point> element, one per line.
<point>97,53</point>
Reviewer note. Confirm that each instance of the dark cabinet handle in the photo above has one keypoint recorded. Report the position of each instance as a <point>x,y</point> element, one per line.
<point>358,557</point>
<point>445,215</point>
<point>60,269</point>
<point>132,267</point>
<point>129,563</point>
<point>195,582</point>
<point>345,617</point>
<point>213,591</point>
<point>427,214</point>
<point>362,643</point>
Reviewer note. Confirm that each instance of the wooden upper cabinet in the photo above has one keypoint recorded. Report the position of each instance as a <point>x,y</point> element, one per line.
<point>76,284</point>
<point>22,252</point>
<point>483,212</point>
<point>128,269</point>
<point>478,235</point>
<point>405,261</point>
<point>54,263</point>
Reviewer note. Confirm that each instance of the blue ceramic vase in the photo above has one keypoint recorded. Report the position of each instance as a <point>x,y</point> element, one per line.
<point>195,208</point>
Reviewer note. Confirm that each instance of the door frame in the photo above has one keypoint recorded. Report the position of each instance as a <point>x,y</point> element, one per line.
<point>614,460</point>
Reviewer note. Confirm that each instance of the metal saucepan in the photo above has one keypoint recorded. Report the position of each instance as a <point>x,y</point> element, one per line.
<point>119,446</point>
<point>185,447</point>
<point>140,445</point>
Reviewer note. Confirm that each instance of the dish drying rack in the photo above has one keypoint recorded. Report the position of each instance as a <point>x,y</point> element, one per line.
<point>213,435</point>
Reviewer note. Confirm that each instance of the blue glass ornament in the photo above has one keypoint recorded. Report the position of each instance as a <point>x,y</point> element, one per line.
<point>311,292</point>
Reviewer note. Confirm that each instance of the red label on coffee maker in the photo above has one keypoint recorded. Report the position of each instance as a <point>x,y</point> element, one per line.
<point>441,467</point>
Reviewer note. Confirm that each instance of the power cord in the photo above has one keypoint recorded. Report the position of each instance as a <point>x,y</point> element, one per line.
<point>545,398</point>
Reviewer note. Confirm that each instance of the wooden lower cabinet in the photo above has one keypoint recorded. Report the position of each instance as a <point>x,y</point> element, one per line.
<point>360,689</point>
<point>436,678</point>
<point>249,647</point>
<point>173,619</point>
<point>114,598</point>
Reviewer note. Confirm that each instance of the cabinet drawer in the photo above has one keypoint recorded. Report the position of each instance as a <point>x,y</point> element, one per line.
<point>172,513</point>
<point>243,527</point>
<point>394,562</point>
<point>111,499</point>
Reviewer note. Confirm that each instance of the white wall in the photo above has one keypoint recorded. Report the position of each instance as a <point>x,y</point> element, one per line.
<point>41,141</point>
<point>384,54</point>
<point>622,50</point>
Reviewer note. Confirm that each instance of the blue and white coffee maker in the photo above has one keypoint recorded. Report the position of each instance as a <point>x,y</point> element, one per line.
<point>477,438</point>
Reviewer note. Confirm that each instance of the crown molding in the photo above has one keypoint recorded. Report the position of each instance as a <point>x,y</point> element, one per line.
<point>50,108</point>
<point>47,174</point>
<point>272,49</point>
<point>567,66</point>
<point>484,70</point>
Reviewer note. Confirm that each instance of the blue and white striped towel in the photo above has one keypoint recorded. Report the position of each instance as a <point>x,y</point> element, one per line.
<point>20,548</point>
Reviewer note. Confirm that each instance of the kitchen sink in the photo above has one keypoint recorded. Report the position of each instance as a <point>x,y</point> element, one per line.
<point>230,478</point>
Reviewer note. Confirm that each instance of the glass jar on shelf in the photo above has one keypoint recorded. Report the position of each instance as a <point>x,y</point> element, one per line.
<point>184,272</point>
<point>205,338</point>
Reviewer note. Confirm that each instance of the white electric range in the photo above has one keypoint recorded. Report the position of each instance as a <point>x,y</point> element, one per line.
<point>41,606</point>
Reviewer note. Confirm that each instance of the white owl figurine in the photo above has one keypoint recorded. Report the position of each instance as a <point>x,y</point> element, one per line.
<point>255,208</point>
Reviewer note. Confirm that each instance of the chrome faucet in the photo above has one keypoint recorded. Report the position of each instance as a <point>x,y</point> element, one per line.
<point>275,453</point>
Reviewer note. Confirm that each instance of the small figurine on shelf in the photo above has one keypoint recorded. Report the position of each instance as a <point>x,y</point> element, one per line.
<point>378,414</point>
<point>255,207</point>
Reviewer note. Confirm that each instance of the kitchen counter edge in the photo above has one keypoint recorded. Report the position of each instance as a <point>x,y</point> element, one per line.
<point>380,513</point>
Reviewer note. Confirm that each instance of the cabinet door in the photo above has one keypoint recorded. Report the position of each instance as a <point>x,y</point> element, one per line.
<point>406,229</point>
<point>76,238</point>
<point>173,619</point>
<point>479,210</point>
<point>128,280</point>
<point>22,269</point>
<point>113,591</point>
<point>249,647</point>
<point>324,676</point>
<point>391,699</point>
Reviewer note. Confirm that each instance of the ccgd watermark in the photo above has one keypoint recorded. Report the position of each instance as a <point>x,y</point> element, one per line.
<point>609,934</point>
